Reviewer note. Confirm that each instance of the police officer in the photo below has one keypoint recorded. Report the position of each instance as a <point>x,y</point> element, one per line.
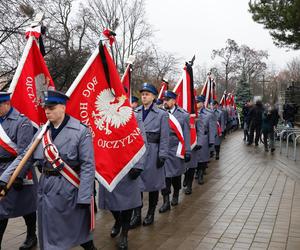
<point>134,102</point>
<point>220,127</point>
<point>63,206</point>
<point>155,122</point>
<point>205,136</point>
<point>123,199</point>
<point>226,118</point>
<point>21,200</point>
<point>175,166</point>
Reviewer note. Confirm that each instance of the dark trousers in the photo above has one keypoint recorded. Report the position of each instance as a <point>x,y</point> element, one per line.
<point>189,175</point>
<point>257,130</point>
<point>30,220</point>
<point>269,135</point>
<point>172,181</point>
<point>122,218</point>
<point>217,148</point>
<point>153,198</point>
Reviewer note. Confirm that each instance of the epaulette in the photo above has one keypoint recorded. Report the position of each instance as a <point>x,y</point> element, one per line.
<point>182,110</point>
<point>161,108</point>
<point>84,124</point>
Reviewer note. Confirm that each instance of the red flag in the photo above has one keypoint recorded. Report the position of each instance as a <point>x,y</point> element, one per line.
<point>98,99</point>
<point>126,81</point>
<point>186,98</point>
<point>163,87</point>
<point>223,100</point>
<point>32,77</point>
<point>209,90</point>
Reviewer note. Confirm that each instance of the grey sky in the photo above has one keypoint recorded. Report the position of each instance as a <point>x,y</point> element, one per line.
<point>188,27</point>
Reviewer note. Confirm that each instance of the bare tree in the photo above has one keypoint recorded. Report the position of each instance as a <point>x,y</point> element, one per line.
<point>228,57</point>
<point>127,18</point>
<point>294,70</point>
<point>152,65</point>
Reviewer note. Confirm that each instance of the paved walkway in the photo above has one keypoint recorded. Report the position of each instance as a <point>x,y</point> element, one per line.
<point>251,200</point>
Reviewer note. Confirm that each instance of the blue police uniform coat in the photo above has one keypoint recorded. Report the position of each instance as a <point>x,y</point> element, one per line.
<point>127,194</point>
<point>194,154</point>
<point>175,166</point>
<point>62,223</point>
<point>205,134</point>
<point>156,125</point>
<point>220,118</point>
<point>234,117</point>
<point>23,202</point>
<point>215,127</point>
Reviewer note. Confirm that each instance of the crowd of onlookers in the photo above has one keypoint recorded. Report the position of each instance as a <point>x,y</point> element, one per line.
<point>262,119</point>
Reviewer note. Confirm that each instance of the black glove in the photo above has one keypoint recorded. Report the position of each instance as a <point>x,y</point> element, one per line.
<point>83,206</point>
<point>18,184</point>
<point>3,187</point>
<point>197,147</point>
<point>160,162</point>
<point>210,144</point>
<point>187,157</point>
<point>134,173</point>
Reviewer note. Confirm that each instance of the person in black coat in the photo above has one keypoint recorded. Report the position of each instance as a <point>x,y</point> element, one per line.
<point>270,120</point>
<point>255,121</point>
<point>245,125</point>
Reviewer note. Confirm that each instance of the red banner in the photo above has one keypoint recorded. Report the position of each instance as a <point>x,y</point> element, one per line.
<point>126,81</point>
<point>31,79</point>
<point>163,87</point>
<point>186,99</point>
<point>98,99</point>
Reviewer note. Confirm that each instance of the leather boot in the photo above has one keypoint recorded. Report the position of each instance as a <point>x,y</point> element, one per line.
<point>123,243</point>
<point>29,243</point>
<point>166,206</point>
<point>200,177</point>
<point>89,245</point>
<point>197,173</point>
<point>115,230</point>
<point>136,219</point>
<point>149,219</point>
<point>174,201</point>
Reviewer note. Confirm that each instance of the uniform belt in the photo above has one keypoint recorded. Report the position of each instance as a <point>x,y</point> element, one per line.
<point>50,172</point>
<point>7,159</point>
<point>153,137</point>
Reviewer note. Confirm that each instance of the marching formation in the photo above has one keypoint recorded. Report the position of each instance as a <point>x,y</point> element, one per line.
<point>91,132</point>
<point>67,207</point>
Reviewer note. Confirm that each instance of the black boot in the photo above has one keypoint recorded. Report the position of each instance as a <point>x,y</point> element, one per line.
<point>29,243</point>
<point>174,201</point>
<point>197,173</point>
<point>184,180</point>
<point>217,156</point>
<point>200,177</point>
<point>149,219</point>
<point>136,219</point>
<point>89,245</point>
<point>123,243</point>
<point>115,230</point>
<point>166,206</point>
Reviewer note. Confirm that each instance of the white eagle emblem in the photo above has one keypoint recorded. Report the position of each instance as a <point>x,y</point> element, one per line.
<point>111,111</point>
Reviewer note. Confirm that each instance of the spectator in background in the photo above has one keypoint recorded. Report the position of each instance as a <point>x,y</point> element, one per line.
<point>255,121</point>
<point>288,115</point>
<point>245,124</point>
<point>270,120</point>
